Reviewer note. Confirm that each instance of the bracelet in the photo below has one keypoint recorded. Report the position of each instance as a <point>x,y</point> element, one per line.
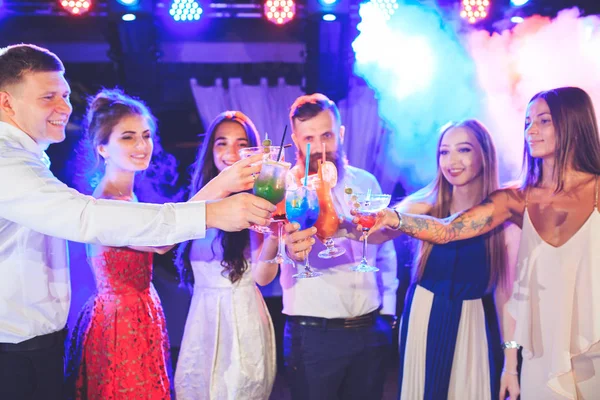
<point>510,345</point>
<point>513,373</point>
<point>399,219</point>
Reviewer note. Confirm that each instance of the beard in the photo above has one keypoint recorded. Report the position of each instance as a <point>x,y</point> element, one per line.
<point>338,158</point>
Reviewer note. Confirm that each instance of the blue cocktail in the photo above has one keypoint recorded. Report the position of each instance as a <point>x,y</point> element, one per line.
<point>302,207</point>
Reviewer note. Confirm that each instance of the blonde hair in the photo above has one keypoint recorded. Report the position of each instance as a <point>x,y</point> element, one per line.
<point>439,195</point>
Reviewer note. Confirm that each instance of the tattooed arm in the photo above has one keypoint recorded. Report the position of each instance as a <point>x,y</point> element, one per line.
<point>500,206</point>
<point>378,236</point>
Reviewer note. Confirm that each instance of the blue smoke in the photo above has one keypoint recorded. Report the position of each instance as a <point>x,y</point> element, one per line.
<point>423,77</point>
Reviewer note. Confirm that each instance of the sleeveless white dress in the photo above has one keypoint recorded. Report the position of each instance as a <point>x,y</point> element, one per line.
<point>228,346</point>
<point>556,305</point>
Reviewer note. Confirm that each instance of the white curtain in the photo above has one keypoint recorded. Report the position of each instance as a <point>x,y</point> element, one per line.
<point>366,133</point>
<point>268,107</point>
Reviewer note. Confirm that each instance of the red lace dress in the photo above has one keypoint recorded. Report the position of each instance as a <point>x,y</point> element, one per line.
<point>119,348</point>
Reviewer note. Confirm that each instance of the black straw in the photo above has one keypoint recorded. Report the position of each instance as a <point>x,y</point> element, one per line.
<point>281,146</point>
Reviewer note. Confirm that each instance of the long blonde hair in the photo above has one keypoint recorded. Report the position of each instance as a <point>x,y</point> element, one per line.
<point>439,195</point>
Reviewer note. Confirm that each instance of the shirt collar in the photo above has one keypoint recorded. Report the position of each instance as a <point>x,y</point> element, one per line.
<point>24,140</point>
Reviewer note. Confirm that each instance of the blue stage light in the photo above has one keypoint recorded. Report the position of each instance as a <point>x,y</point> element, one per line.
<point>128,2</point>
<point>185,10</point>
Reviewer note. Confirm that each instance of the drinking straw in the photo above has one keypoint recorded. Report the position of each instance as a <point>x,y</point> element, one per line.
<point>281,147</point>
<point>320,171</point>
<point>324,149</point>
<point>307,162</point>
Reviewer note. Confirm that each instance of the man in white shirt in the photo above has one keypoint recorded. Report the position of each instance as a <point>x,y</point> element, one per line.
<point>38,214</point>
<point>338,334</point>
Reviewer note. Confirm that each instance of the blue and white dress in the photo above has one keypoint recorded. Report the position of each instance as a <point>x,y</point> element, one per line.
<point>450,338</point>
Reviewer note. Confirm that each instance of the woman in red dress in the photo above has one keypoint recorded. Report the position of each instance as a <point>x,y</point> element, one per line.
<point>119,347</point>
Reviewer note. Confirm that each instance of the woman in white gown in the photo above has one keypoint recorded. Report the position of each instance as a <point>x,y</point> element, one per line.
<point>228,347</point>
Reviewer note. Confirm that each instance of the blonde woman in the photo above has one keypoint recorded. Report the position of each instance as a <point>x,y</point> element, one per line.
<point>450,335</point>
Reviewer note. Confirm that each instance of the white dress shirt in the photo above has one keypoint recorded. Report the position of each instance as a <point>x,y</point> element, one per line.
<point>339,292</point>
<point>37,214</point>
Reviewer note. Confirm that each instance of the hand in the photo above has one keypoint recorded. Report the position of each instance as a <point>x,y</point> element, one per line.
<point>509,383</point>
<point>386,218</point>
<point>299,243</point>
<point>238,212</point>
<point>347,229</point>
<point>238,177</point>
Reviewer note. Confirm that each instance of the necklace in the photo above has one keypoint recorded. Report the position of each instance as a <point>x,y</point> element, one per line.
<point>122,195</point>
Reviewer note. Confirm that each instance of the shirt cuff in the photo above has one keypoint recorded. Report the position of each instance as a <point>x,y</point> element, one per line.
<point>190,221</point>
<point>388,304</point>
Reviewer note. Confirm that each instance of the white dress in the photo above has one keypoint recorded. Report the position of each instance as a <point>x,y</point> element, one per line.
<point>556,305</point>
<point>228,347</point>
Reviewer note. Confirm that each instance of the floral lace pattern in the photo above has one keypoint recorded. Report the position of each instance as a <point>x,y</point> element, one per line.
<point>119,348</point>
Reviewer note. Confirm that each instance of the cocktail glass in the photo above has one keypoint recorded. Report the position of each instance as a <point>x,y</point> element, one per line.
<point>270,185</point>
<point>270,153</point>
<point>366,207</point>
<point>329,221</point>
<point>302,207</point>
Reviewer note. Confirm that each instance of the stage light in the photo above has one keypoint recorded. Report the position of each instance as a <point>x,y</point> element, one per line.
<point>387,7</point>
<point>327,2</point>
<point>516,20</point>
<point>518,3</point>
<point>76,7</point>
<point>280,12</point>
<point>128,2</point>
<point>329,17</point>
<point>128,17</point>
<point>475,10</point>
<point>185,10</point>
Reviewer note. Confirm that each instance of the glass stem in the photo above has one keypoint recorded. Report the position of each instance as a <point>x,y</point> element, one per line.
<point>329,243</point>
<point>280,244</point>
<point>307,263</point>
<point>364,258</point>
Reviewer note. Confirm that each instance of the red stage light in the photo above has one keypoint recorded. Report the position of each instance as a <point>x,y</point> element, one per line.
<point>280,11</point>
<point>475,10</point>
<point>76,7</point>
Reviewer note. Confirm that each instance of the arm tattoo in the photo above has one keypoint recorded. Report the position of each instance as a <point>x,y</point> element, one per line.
<point>467,224</point>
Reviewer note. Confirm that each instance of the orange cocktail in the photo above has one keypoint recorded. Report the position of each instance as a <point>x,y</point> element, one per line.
<point>329,221</point>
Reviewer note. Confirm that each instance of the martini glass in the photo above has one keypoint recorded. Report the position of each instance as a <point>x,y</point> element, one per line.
<point>366,207</point>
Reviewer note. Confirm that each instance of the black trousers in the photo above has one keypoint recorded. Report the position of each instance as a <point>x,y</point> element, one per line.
<point>337,364</point>
<point>33,374</point>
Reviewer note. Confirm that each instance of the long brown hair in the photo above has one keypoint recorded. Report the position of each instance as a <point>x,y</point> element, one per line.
<point>234,244</point>
<point>576,131</point>
<point>439,195</point>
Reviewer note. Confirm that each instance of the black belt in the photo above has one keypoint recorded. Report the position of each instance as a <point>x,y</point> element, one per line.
<point>361,321</point>
<point>36,343</point>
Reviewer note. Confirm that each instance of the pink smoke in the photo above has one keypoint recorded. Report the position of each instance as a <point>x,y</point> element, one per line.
<point>538,54</point>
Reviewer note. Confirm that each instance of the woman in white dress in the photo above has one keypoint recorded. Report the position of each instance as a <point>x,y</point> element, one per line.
<point>228,347</point>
